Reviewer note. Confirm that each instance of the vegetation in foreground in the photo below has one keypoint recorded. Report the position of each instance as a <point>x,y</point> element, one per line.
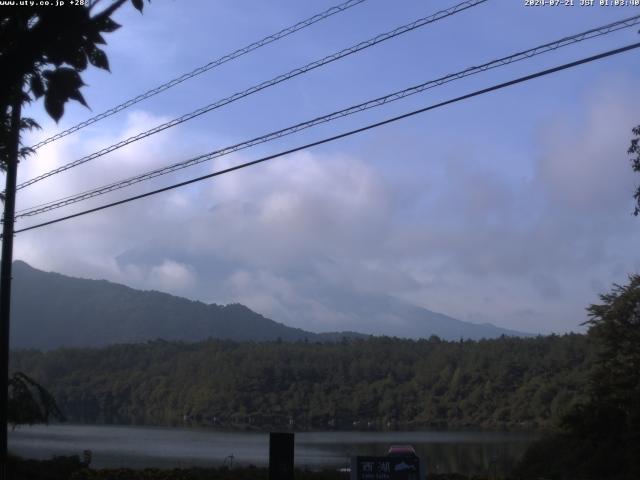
<point>70,468</point>
<point>600,437</point>
<point>378,383</point>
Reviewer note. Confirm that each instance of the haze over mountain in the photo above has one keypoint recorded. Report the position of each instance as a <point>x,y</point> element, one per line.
<point>50,310</point>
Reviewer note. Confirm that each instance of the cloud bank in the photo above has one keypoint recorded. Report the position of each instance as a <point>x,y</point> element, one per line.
<point>307,238</point>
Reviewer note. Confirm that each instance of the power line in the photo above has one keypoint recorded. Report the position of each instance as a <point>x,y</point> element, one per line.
<point>269,83</point>
<point>551,46</point>
<point>342,135</point>
<point>204,68</point>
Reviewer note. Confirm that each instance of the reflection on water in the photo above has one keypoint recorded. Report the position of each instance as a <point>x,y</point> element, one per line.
<point>119,446</point>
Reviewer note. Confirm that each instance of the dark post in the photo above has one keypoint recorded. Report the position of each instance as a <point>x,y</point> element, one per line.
<point>281,456</point>
<point>5,276</point>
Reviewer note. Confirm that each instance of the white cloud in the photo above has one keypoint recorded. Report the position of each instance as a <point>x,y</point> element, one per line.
<point>172,276</point>
<point>300,238</point>
<point>584,166</point>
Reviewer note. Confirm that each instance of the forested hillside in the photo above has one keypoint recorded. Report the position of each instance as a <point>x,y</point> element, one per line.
<point>374,383</point>
<point>52,310</point>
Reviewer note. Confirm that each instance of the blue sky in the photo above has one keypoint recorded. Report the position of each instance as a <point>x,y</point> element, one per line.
<point>512,208</point>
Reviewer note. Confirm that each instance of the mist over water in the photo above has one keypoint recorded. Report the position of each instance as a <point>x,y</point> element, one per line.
<point>139,447</point>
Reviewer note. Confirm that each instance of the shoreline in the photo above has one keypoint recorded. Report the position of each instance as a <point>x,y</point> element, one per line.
<point>285,428</point>
<point>167,447</point>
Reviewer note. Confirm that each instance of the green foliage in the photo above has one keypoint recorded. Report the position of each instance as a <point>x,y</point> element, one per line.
<point>600,437</point>
<point>615,325</point>
<point>377,383</point>
<point>43,51</point>
<point>29,402</point>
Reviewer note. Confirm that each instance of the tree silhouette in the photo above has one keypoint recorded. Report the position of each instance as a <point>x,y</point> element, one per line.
<point>43,51</point>
<point>615,324</point>
<point>30,402</point>
<point>600,438</point>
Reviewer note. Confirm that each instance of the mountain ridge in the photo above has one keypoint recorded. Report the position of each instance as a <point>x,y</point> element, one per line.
<point>52,310</point>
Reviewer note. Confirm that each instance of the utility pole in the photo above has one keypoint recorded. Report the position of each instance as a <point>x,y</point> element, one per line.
<point>6,262</point>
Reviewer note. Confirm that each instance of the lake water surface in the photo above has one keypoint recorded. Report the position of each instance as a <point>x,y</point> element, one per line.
<point>465,452</point>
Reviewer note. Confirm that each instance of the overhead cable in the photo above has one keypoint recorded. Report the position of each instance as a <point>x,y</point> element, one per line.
<point>339,136</point>
<point>256,88</point>
<point>526,54</point>
<point>202,69</point>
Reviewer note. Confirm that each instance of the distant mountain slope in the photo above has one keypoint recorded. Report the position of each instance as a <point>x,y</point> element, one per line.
<point>51,310</point>
<point>390,316</point>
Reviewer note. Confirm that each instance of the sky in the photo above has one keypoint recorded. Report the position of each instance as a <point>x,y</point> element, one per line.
<point>513,208</point>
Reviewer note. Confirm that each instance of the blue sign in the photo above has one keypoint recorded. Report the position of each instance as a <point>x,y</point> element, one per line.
<point>385,468</point>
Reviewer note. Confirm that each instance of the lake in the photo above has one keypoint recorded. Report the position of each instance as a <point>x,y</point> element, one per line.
<point>464,452</point>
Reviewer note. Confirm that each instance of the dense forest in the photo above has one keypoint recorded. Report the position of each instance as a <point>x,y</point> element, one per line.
<point>376,383</point>
<point>599,438</point>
